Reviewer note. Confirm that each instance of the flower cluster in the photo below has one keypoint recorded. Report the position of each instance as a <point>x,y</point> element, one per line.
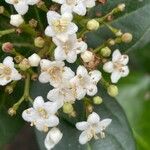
<point>68,85</point>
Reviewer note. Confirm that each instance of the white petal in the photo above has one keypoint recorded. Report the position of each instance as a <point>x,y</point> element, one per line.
<point>108,67</point>
<point>81,47</point>
<point>57,42</point>
<point>80,9</point>
<point>90,3</point>
<point>66,8</point>
<point>51,107</point>
<point>59,54</point>
<point>67,16</point>
<point>51,16</point>
<point>44,77</point>
<point>124,59</point>
<point>45,63</point>
<point>52,121</point>
<point>38,102</point>
<point>104,123</point>
<point>32,2</point>
<point>82,71</point>
<point>8,61</point>
<point>80,93</point>
<point>125,71</point>
<point>49,31</point>
<point>15,75</point>
<point>9,1</point>
<point>21,7</point>
<point>72,28</point>
<point>59,1</point>
<point>93,118</point>
<point>84,138</point>
<point>91,89</point>
<point>53,95</point>
<point>95,76</point>
<point>62,37</point>
<point>68,73</point>
<point>3,81</point>
<point>71,57</point>
<point>82,125</point>
<point>116,55</point>
<point>115,76</point>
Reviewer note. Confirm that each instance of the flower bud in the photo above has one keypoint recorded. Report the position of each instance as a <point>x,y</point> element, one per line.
<point>39,42</point>
<point>34,60</point>
<point>111,42</point>
<point>67,108</point>
<point>92,25</point>
<point>89,108</point>
<point>7,47</point>
<point>118,33</point>
<point>16,20</point>
<point>9,89</point>
<point>112,90</point>
<point>121,7</point>
<point>24,64</point>
<point>2,9</point>
<point>97,100</point>
<point>33,23</point>
<point>106,52</point>
<point>127,37</point>
<point>12,111</point>
<point>18,58</point>
<point>87,56</point>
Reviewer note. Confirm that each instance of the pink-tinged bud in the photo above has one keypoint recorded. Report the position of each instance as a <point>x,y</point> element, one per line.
<point>7,47</point>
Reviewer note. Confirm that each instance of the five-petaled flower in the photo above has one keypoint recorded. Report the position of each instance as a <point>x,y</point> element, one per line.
<point>117,67</point>
<point>8,72</point>
<point>77,6</point>
<point>92,127</point>
<point>68,50</point>
<point>22,6</point>
<point>60,26</point>
<point>85,83</point>
<point>42,114</point>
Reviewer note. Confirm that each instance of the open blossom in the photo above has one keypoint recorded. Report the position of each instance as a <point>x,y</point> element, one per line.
<point>7,71</point>
<point>85,83</point>
<point>21,6</point>
<point>42,114</point>
<point>62,95</point>
<point>54,72</point>
<point>68,50</point>
<point>52,138</point>
<point>77,6</point>
<point>92,127</point>
<point>117,67</point>
<point>60,26</point>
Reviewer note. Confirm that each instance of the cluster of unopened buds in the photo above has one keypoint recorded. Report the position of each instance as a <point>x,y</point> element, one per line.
<point>64,45</point>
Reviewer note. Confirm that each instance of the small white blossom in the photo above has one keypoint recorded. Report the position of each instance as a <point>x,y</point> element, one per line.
<point>60,26</point>
<point>92,127</point>
<point>68,50</point>
<point>7,71</point>
<point>117,67</point>
<point>77,6</point>
<point>52,138</point>
<point>42,114</point>
<point>85,83</point>
<point>87,56</point>
<point>54,72</point>
<point>21,6</point>
<point>16,20</point>
<point>62,95</point>
<point>34,60</point>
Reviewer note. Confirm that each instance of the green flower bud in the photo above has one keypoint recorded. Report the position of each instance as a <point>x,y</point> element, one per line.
<point>106,52</point>
<point>24,64</point>
<point>68,108</point>
<point>39,42</point>
<point>112,90</point>
<point>92,25</point>
<point>12,111</point>
<point>2,9</point>
<point>127,37</point>
<point>97,100</point>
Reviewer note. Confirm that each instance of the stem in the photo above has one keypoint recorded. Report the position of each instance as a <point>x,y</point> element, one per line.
<point>5,32</point>
<point>88,146</point>
<point>27,87</point>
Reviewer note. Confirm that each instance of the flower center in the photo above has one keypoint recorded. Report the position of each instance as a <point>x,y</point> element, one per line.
<point>60,25</point>
<point>5,71</point>
<point>67,47</point>
<point>43,113</point>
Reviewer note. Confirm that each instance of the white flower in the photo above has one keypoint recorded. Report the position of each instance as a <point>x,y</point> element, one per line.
<point>62,95</point>
<point>117,67</point>
<point>77,6</point>
<point>54,72</point>
<point>85,83</point>
<point>42,114</point>
<point>92,127</point>
<point>8,72</point>
<point>16,20</point>
<point>52,138</point>
<point>60,26</point>
<point>34,60</point>
<point>21,6</point>
<point>87,56</point>
<point>68,50</point>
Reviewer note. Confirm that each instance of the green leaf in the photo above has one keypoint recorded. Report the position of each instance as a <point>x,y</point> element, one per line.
<point>135,98</point>
<point>118,134</point>
<point>136,20</point>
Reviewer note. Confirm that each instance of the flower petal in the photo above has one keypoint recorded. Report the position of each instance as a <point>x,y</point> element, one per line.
<point>82,125</point>
<point>8,61</point>
<point>49,31</point>
<point>108,67</point>
<point>125,71</point>
<point>51,16</point>
<point>66,8</point>
<point>21,7</point>
<point>72,28</point>
<point>115,76</point>
<point>95,76</point>
<point>93,118</point>
<point>44,77</point>
<point>84,138</point>
<point>59,54</point>
<point>90,3</point>
<point>80,9</point>
<point>116,55</point>
<point>38,102</point>
<point>91,89</point>
<point>71,57</point>
<point>82,71</point>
